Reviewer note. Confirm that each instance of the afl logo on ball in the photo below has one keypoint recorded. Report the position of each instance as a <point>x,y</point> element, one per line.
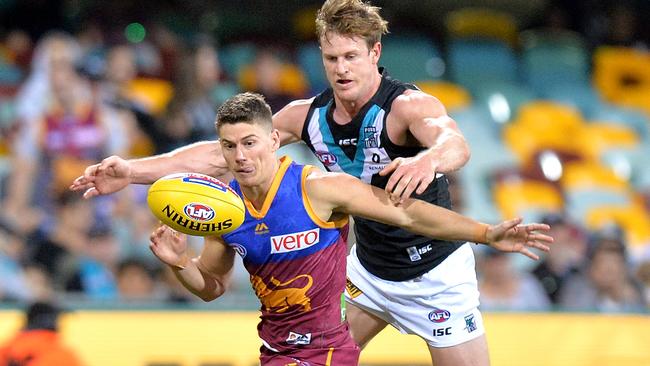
<point>199,212</point>
<point>327,158</point>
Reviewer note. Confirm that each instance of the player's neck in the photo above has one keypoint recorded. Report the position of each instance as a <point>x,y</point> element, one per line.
<point>346,110</point>
<point>257,193</point>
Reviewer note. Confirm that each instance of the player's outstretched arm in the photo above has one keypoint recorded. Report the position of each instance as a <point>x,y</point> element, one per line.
<point>333,192</point>
<point>206,276</point>
<point>115,173</point>
<point>419,116</point>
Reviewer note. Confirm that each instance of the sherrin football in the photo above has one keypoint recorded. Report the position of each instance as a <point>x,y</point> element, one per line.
<point>196,204</point>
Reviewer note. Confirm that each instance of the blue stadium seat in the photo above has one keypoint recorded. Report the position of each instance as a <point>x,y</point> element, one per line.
<point>309,59</point>
<point>503,99</point>
<point>473,62</point>
<point>411,58</point>
<point>550,59</point>
<point>234,57</point>
<point>579,95</point>
<point>632,118</point>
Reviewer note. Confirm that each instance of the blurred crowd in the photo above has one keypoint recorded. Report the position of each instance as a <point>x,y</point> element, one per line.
<point>68,100</point>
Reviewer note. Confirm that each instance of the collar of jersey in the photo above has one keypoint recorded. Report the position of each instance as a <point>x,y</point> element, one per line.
<point>285,161</point>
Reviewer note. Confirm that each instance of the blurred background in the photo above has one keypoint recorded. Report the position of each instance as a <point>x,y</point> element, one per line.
<point>552,96</point>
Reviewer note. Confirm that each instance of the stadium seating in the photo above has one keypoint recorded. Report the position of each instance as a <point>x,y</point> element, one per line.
<point>475,61</point>
<point>632,218</point>
<point>309,59</point>
<point>471,22</point>
<point>452,96</point>
<point>544,125</point>
<point>411,58</point>
<point>622,75</point>
<point>553,58</point>
<point>503,99</point>
<point>530,199</point>
<point>234,57</point>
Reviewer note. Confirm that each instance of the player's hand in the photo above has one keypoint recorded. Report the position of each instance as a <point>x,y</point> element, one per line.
<point>169,246</point>
<point>512,236</point>
<point>409,175</point>
<point>109,176</point>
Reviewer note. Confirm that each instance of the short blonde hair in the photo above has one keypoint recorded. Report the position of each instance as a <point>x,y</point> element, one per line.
<point>351,18</point>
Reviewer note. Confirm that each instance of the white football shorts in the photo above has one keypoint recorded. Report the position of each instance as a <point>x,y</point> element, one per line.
<point>440,306</point>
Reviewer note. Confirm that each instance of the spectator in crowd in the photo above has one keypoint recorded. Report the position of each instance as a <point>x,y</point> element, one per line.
<point>605,283</point>
<point>54,246</point>
<point>502,287</point>
<point>39,342</point>
<point>643,276</point>
<point>13,285</point>
<point>96,266</point>
<point>136,282</point>
<point>565,259</point>
<point>60,139</point>
<point>279,81</point>
<point>201,89</point>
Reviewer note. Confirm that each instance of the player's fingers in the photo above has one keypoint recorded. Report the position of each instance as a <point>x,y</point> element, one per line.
<point>424,183</point>
<point>80,185</point>
<point>91,192</point>
<point>108,163</point>
<point>511,224</point>
<point>390,167</point>
<point>536,227</point>
<point>529,254</point>
<point>415,185</point>
<point>539,246</point>
<point>543,238</point>
<point>90,171</point>
<point>402,184</point>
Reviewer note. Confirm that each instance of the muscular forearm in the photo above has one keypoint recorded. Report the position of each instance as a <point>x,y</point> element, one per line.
<point>202,157</point>
<point>449,153</point>
<point>440,223</point>
<point>198,281</point>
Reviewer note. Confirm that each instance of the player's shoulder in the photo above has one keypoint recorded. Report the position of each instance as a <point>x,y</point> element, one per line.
<point>297,106</point>
<point>415,102</point>
<point>319,180</point>
<point>290,117</point>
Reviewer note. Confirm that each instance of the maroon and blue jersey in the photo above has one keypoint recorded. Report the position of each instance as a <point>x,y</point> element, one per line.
<point>296,263</point>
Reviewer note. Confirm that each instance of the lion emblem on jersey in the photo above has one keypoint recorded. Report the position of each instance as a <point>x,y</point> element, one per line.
<point>278,297</point>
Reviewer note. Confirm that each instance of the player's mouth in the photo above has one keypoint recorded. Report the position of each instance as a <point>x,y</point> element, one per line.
<point>343,81</point>
<point>248,170</point>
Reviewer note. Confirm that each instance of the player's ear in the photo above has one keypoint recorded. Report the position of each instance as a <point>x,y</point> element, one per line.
<point>375,52</point>
<point>275,137</point>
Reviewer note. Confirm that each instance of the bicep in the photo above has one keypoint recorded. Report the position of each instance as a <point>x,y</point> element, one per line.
<point>347,194</point>
<point>426,118</point>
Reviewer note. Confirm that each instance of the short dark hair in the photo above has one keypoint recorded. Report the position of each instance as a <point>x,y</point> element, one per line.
<point>247,108</point>
<point>42,315</point>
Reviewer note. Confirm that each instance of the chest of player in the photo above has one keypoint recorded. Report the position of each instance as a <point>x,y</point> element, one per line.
<point>276,238</point>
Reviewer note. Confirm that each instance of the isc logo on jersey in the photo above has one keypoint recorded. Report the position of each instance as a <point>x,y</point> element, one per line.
<point>199,211</point>
<point>294,241</point>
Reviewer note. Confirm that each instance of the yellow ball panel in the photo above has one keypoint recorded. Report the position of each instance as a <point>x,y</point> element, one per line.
<point>196,204</point>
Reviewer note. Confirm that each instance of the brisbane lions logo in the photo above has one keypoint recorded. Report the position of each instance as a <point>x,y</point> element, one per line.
<point>278,297</point>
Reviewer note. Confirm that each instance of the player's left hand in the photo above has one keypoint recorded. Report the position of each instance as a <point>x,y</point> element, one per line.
<point>512,236</point>
<point>409,175</point>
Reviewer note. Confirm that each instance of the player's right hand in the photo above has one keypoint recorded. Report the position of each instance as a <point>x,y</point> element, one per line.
<point>111,175</point>
<point>169,246</point>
